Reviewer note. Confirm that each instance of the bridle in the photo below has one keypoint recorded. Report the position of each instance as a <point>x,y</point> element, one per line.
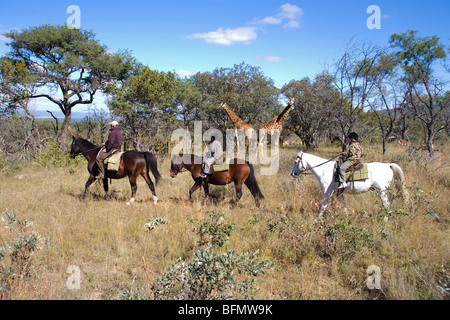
<point>304,170</point>
<point>83,152</point>
<point>177,170</point>
<point>299,161</point>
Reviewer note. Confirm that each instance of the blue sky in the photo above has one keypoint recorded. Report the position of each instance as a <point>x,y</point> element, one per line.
<point>288,39</point>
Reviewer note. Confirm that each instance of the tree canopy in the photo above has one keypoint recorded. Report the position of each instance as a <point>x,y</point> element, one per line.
<point>70,66</point>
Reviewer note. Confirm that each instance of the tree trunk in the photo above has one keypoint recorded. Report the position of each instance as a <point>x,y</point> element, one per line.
<point>63,135</point>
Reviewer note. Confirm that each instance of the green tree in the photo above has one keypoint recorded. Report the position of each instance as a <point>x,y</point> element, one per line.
<point>19,135</point>
<point>388,97</point>
<point>427,96</point>
<point>188,101</point>
<point>314,102</point>
<point>353,77</point>
<point>246,90</point>
<point>70,65</point>
<point>145,105</point>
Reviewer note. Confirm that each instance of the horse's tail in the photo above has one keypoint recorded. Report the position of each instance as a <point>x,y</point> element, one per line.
<point>399,176</point>
<point>252,184</point>
<point>152,164</point>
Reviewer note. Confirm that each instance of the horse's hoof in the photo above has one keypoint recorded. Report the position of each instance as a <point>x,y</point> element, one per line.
<point>130,202</point>
<point>155,200</point>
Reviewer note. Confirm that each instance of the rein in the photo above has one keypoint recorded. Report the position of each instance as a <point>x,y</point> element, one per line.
<point>307,169</point>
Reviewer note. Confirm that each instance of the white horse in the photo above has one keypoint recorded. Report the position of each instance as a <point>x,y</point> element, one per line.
<point>380,177</point>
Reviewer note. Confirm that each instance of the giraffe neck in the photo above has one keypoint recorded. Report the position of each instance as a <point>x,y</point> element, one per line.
<point>236,120</point>
<point>283,115</point>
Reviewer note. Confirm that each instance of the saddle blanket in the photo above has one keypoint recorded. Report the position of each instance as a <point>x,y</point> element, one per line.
<point>361,174</point>
<point>113,161</point>
<point>221,167</point>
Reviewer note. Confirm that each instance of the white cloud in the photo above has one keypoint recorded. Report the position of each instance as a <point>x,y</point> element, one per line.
<point>270,20</point>
<point>3,38</point>
<point>227,37</point>
<point>289,14</point>
<point>269,58</point>
<point>185,73</point>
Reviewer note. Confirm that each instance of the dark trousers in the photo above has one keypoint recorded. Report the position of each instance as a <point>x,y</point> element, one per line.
<point>100,158</point>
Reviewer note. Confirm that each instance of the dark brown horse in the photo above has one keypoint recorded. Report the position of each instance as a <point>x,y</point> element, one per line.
<point>239,173</point>
<point>132,164</point>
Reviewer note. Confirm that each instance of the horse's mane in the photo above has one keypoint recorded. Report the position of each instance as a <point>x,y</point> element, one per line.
<point>192,156</point>
<point>85,144</point>
<point>314,156</point>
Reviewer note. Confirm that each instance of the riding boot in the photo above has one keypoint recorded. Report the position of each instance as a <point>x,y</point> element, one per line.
<point>101,170</point>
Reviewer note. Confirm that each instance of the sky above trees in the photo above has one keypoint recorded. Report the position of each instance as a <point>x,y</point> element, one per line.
<point>287,39</point>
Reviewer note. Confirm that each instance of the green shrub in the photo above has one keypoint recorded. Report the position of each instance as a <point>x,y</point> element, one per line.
<point>213,230</point>
<point>16,258</point>
<point>208,274</point>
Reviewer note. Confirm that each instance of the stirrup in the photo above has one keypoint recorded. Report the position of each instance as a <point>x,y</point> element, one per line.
<point>203,175</point>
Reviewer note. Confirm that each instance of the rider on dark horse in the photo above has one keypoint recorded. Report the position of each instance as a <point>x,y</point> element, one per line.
<point>113,144</point>
<point>213,155</point>
<point>352,156</point>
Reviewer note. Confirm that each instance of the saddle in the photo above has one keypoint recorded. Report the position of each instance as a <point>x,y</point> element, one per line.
<point>113,161</point>
<point>221,167</point>
<point>358,171</point>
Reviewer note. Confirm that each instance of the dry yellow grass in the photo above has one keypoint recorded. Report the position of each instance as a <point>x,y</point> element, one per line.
<point>108,242</point>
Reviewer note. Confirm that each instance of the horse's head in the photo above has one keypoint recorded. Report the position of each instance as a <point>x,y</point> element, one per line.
<point>298,165</point>
<point>74,148</point>
<point>176,165</point>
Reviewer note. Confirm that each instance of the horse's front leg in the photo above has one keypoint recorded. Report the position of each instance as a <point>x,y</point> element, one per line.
<point>191,191</point>
<point>326,197</point>
<point>87,185</point>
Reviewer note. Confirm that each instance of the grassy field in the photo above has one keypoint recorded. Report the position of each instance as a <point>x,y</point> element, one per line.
<point>109,243</point>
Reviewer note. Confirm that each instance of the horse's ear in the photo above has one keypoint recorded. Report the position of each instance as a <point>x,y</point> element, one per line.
<point>72,132</point>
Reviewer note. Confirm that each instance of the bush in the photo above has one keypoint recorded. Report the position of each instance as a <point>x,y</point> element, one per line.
<point>53,155</point>
<point>208,274</point>
<point>213,231</point>
<point>16,259</point>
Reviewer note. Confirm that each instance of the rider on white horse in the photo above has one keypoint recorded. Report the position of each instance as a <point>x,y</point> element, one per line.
<point>352,156</point>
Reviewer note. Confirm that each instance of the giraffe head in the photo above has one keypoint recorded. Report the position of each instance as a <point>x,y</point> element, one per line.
<point>222,104</point>
<point>291,102</point>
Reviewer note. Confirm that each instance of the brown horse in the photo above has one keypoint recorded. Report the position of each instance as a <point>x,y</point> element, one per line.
<point>239,173</point>
<point>132,164</point>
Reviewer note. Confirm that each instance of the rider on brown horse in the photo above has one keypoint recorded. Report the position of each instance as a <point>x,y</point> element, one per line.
<point>112,145</point>
<point>213,155</point>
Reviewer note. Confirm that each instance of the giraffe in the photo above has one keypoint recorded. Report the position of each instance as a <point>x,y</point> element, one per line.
<point>238,124</point>
<point>277,122</point>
